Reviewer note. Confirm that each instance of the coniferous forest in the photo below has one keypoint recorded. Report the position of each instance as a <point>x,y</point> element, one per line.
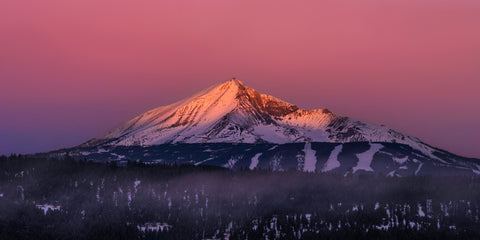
<point>44,198</point>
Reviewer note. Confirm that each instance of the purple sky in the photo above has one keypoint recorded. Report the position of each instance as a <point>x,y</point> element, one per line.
<point>70,70</point>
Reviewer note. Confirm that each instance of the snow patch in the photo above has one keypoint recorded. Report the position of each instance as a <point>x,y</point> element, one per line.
<point>310,159</point>
<point>254,162</point>
<point>420,211</point>
<point>206,160</point>
<point>400,160</point>
<point>273,148</point>
<point>135,185</point>
<point>418,169</point>
<point>365,158</point>
<point>46,207</point>
<point>119,157</point>
<point>308,216</point>
<point>231,162</point>
<point>101,150</point>
<point>155,227</point>
<point>332,161</point>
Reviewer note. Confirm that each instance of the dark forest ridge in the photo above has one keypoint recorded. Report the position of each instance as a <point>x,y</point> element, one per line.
<point>66,199</point>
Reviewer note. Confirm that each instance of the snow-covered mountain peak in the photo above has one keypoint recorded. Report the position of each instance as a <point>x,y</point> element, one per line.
<point>234,81</point>
<point>232,112</point>
<point>233,86</point>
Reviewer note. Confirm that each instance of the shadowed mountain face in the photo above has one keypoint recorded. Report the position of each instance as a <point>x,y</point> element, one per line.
<point>232,113</point>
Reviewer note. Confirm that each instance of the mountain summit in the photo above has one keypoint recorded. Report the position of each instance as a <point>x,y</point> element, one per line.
<point>231,112</point>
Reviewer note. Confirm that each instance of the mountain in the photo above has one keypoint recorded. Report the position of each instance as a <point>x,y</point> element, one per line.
<point>231,112</point>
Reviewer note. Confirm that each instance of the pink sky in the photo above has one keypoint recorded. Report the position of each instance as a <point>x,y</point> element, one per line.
<point>71,70</point>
